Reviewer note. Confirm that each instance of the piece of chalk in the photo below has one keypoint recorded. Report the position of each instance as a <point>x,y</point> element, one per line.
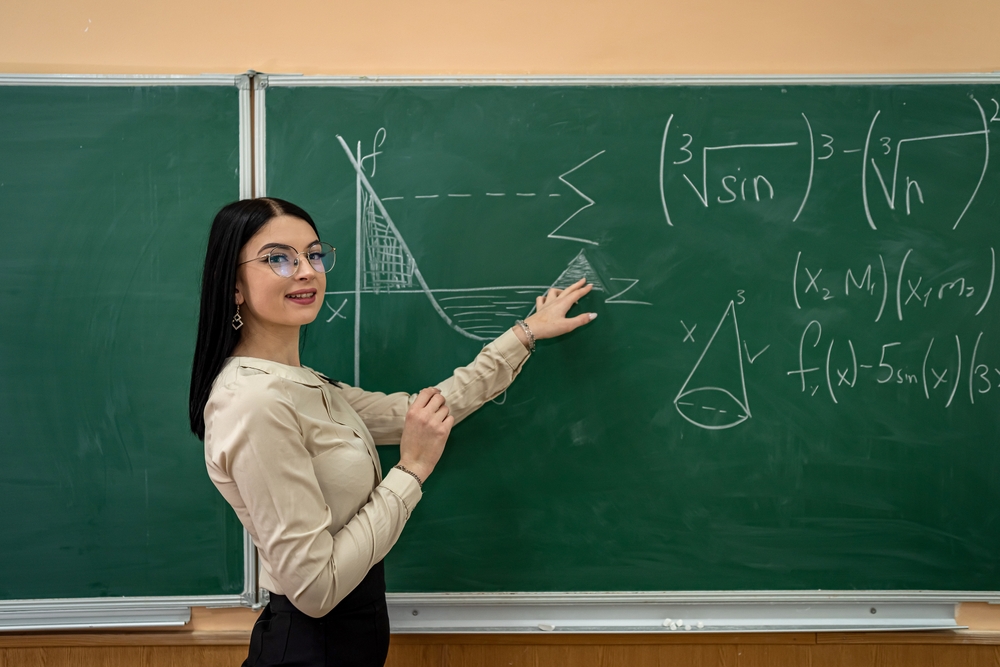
<point>667,622</point>
<point>546,627</point>
<point>687,627</point>
<point>680,621</point>
<point>700,625</point>
<point>673,626</point>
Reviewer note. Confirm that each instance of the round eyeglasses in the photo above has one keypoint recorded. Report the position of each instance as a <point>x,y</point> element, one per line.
<point>284,260</point>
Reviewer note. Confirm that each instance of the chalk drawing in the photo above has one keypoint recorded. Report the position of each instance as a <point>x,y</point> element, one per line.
<point>704,399</point>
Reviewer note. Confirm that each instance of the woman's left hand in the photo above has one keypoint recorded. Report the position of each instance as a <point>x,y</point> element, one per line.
<point>549,319</point>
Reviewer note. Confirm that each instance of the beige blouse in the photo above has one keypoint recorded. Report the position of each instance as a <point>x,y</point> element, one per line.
<point>295,457</point>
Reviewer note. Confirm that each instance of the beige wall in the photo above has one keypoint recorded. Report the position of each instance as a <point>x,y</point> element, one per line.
<point>504,36</point>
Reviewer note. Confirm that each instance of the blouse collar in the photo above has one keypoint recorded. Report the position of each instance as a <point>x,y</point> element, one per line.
<point>300,374</point>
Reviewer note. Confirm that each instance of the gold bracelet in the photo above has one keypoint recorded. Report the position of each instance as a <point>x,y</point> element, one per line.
<point>527,332</point>
<point>420,482</point>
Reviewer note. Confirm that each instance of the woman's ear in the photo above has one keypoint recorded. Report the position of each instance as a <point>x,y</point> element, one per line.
<point>239,298</point>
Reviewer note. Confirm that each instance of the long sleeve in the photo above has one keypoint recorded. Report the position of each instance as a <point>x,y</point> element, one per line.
<point>262,461</point>
<point>469,387</point>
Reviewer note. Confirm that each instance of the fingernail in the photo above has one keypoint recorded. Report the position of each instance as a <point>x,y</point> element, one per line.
<point>593,316</point>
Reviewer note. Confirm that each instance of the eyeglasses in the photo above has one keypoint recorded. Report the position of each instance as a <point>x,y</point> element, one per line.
<point>284,260</point>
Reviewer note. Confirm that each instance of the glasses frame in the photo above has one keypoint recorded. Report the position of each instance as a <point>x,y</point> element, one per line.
<point>295,258</point>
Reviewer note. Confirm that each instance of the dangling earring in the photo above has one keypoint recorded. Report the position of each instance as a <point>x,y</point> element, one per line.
<point>237,320</point>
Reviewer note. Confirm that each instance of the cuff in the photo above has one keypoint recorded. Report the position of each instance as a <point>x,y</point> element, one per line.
<point>404,486</point>
<point>511,349</point>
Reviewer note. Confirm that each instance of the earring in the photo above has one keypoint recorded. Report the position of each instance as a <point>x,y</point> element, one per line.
<point>237,320</point>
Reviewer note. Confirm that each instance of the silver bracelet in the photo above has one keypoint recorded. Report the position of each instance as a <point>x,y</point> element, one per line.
<point>527,332</point>
<point>412,474</point>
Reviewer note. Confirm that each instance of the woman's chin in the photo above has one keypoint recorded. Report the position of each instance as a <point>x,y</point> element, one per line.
<point>305,316</point>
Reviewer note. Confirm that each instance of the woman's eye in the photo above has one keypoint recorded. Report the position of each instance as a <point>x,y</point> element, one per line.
<point>317,256</point>
<point>277,258</point>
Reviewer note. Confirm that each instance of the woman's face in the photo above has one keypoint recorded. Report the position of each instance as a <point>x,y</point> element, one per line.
<point>268,300</point>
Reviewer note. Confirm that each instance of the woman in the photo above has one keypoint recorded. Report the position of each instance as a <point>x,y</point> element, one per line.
<point>294,452</point>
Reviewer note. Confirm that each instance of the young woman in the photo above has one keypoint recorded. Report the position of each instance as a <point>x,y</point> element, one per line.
<point>294,452</point>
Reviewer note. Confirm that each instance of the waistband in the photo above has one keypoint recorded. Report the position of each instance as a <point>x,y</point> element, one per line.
<point>371,589</point>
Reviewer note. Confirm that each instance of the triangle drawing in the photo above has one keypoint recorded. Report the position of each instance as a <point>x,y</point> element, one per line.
<point>579,267</point>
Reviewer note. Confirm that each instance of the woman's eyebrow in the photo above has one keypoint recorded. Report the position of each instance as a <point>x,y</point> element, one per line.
<point>267,246</point>
<point>274,245</point>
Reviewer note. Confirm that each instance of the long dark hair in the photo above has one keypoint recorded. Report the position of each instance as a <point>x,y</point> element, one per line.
<point>233,226</point>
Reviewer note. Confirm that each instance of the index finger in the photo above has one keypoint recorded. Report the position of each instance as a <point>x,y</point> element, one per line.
<point>577,290</point>
<point>575,286</point>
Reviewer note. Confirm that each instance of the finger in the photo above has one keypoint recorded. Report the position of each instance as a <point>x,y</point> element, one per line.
<point>571,323</point>
<point>553,292</point>
<point>570,297</point>
<point>439,408</point>
<point>539,302</point>
<point>582,292</point>
<point>580,284</point>
<point>559,307</point>
<point>435,402</point>
<point>424,396</point>
<point>421,399</point>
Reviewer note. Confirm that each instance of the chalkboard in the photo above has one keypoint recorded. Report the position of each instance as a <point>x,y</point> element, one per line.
<point>793,381</point>
<point>107,191</point>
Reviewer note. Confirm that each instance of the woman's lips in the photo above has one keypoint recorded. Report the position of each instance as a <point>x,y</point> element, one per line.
<point>303,298</point>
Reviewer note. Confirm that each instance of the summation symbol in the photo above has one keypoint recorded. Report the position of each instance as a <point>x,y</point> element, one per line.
<point>588,204</point>
<point>715,397</point>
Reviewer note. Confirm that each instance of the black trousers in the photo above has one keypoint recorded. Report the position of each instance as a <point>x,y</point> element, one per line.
<point>354,634</point>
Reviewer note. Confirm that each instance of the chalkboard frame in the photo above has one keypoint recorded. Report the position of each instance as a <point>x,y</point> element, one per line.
<point>644,611</point>
<point>139,611</point>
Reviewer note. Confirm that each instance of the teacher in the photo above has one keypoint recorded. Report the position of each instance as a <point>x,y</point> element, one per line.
<point>294,452</point>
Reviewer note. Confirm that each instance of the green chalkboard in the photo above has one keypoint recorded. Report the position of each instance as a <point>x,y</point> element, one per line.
<point>106,196</point>
<point>794,379</point>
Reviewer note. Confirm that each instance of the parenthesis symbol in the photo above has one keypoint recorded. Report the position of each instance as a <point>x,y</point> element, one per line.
<point>663,150</point>
<point>986,160</point>
<point>795,281</point>
<point>993,275</point>
<point>864,172</point>
<point>958,372</point>
<point>927,392</point>
<point>829,384</point>
<point>854,361</point>
<point>812,167</point>
<point>972,367</point>
<point>885,288</point>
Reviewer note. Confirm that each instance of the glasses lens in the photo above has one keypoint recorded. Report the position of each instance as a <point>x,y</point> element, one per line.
<point>282,261</point>
<point>322,257</point>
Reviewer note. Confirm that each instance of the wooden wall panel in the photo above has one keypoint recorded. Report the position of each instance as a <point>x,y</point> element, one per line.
<point>798,650</point>
<point>860,655</point>
<point>117,656</point>
<point>124,656</point>
<point>772,656</point>
<point>656,651</point>
<point>413,655</point>
<point>190,656</point>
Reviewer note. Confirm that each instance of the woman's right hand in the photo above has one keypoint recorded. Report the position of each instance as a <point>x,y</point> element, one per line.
<point>425,432</point>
